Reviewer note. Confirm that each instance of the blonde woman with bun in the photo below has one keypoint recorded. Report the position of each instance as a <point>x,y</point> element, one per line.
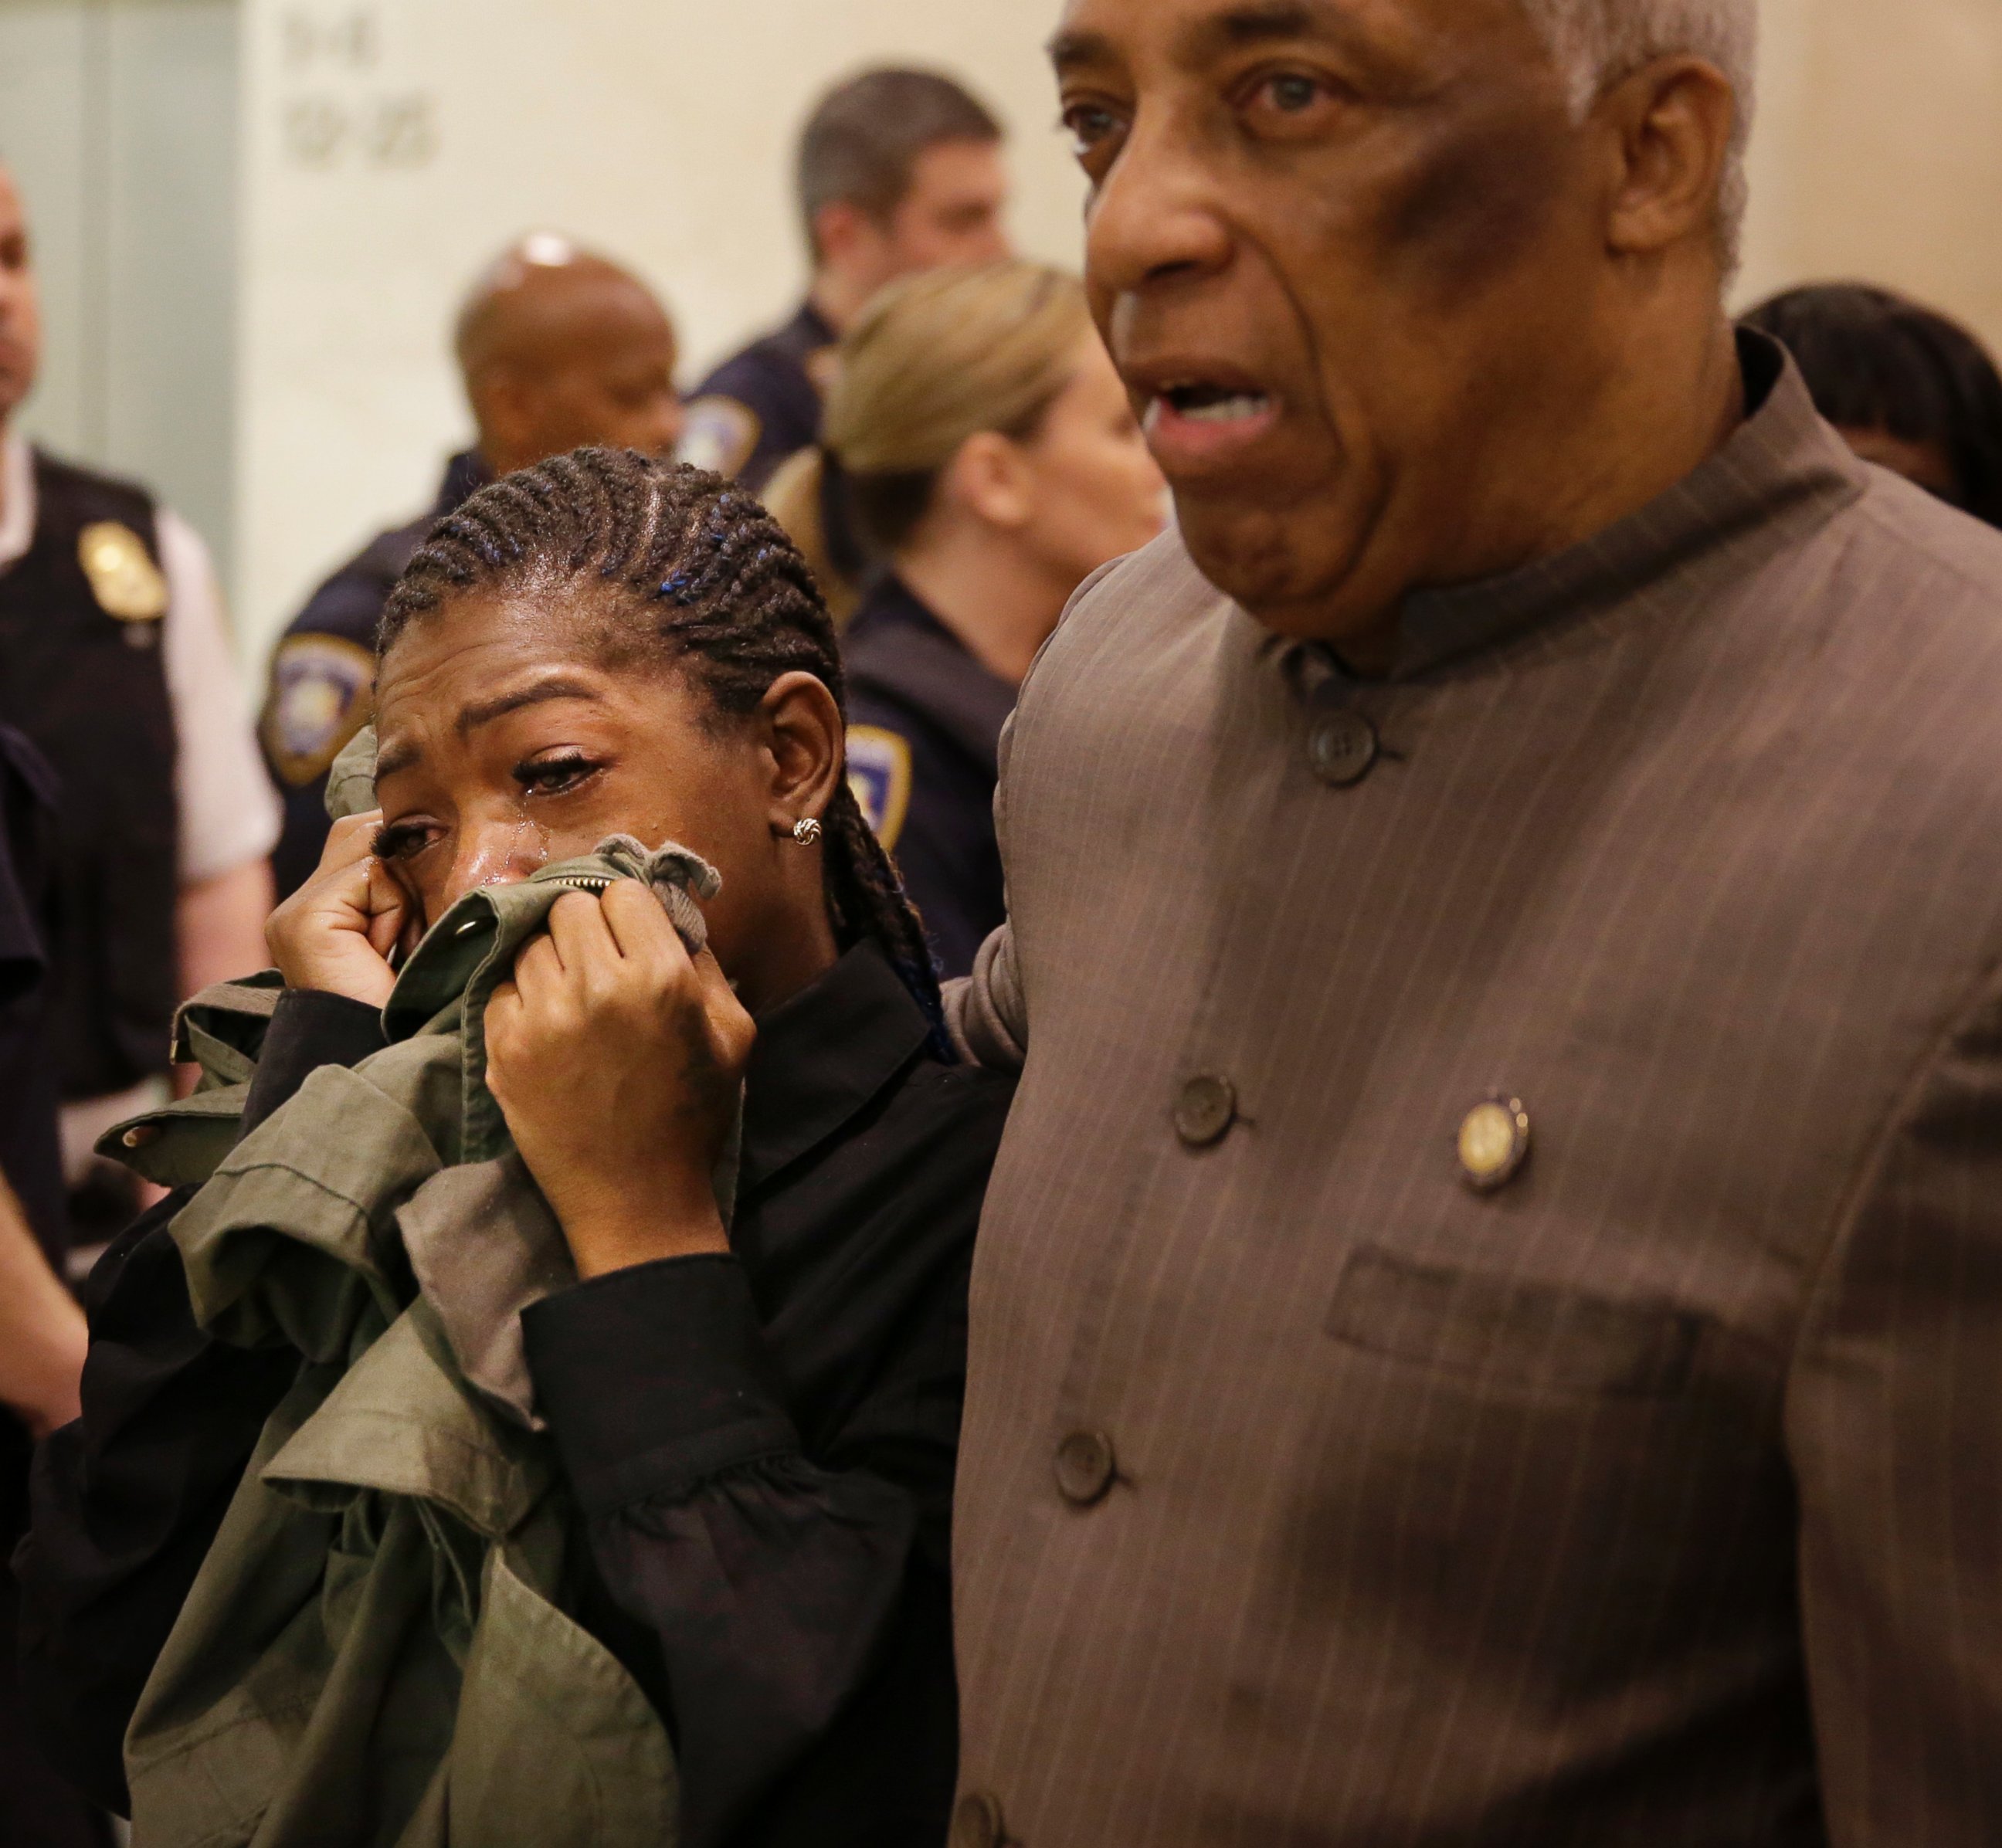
<point>986,451</point>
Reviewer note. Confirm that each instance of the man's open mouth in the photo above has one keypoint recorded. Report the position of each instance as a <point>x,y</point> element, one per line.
<point>1201,403</point>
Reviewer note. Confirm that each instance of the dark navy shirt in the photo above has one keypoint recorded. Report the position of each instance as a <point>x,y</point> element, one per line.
<point>762,406</point>
<point>322,687</point>
<point>923,745</point>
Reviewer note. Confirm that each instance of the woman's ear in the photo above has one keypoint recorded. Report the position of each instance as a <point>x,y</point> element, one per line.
<point>805,748</point>
<point>990,477</point>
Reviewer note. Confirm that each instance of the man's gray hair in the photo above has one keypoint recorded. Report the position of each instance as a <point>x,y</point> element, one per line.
<point>1596,42</point>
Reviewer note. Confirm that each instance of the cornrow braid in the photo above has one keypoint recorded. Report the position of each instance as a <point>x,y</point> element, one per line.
<point>715,583</point>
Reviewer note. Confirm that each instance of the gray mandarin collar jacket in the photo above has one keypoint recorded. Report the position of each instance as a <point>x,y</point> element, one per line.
<point>1646,1493</point>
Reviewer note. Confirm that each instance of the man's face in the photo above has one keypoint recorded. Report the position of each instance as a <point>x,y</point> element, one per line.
<point>954,214</point>
<point>20,305</point>
<point>608,380</point>
<point>1343,251</point>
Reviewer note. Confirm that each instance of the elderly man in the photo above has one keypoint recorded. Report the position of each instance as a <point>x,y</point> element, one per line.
<point>1487,1327</point>
<point>558,348</point>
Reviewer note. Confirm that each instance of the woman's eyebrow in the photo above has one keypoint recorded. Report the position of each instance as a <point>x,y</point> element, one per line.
<point>556,687</point>
<point>396,757</point>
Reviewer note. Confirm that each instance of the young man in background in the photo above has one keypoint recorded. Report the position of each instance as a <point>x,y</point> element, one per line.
<point>899,171</point>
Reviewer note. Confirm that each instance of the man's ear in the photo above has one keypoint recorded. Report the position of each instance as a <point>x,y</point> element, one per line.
<point>1673,120</point>
<point>806,748</point>
<point>989,476</point>
<point>839,229</point>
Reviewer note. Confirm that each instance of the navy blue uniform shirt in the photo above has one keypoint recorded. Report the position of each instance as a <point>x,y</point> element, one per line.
<point>762,406</point>
<point>322,688</point>
<point>923,746</point>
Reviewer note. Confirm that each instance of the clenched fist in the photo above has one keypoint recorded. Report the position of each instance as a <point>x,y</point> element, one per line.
<point>336,932</point>
<point>618,1061</point>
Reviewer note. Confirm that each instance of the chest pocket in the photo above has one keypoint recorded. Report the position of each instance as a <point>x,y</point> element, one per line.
<point>1511,1334</point>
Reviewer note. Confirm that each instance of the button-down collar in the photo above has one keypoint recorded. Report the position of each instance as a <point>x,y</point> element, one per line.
<point>822,1056</point>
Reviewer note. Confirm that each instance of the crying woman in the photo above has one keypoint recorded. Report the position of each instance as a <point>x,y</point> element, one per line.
<point>539,1425</point>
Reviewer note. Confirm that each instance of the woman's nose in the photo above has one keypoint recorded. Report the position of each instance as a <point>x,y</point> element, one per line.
<point>502,851</point>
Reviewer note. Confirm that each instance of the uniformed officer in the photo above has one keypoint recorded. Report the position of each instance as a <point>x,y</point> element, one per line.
<point>995,464</point>
<point>115,663</point>
<point>898,171</point>
<point>559,348</point>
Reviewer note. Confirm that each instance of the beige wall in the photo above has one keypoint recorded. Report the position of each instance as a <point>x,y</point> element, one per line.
<point>391,148</point>
<point>1879,151</point>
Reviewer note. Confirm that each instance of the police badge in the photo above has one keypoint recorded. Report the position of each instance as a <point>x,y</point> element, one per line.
<point>720,435</point>
<point>879,773</point>
<point>123,579</point>
<point>321,689</point>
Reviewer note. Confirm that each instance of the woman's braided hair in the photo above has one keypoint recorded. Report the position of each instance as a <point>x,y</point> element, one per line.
<point>713,583</point>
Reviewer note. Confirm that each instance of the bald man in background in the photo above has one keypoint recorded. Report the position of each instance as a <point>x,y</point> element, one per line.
<point>559,348</point>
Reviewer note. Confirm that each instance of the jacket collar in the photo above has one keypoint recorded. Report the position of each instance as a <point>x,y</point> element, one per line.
<point>822,1056</point>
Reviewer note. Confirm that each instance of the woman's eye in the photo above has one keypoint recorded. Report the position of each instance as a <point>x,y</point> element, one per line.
<point>554,775</point>
<point>401,840</point>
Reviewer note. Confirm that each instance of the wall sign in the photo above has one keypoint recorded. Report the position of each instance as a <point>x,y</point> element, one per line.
<point>336,111</point>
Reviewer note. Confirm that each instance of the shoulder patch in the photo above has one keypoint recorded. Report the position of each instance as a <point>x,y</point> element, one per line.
<point>720,435</point>
<point>879,773</point>
<point>321,689</point>
<point>123,579</point>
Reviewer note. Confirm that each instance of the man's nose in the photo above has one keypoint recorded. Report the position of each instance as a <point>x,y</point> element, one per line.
<point>504,850</point>
<point>1158,212</point>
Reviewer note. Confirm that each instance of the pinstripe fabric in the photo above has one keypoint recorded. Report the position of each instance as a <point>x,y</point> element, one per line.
<point>1655,1499</point>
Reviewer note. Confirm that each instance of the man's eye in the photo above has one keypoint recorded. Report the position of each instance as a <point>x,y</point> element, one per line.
<point>1292,94</point>
<point>1089,127</point>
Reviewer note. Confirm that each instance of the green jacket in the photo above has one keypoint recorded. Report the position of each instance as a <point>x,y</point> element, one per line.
<point>377,1649</point>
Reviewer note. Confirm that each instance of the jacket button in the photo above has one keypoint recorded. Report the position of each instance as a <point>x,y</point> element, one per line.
<point>142,1135</point>
<point>1086,1468</point>
<point>1494,1143</point>
<point>976,1823</point>
<point>1204,1111</point>
<point>1342,748</point>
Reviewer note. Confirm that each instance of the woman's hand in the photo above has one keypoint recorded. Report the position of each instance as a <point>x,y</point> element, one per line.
<point>619,1062</point>
<point>337,932</point>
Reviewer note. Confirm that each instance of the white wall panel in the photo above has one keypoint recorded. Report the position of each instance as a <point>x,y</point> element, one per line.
<point>119,118</point>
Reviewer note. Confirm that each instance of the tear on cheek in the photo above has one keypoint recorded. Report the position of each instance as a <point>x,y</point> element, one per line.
<point>508,859</point>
